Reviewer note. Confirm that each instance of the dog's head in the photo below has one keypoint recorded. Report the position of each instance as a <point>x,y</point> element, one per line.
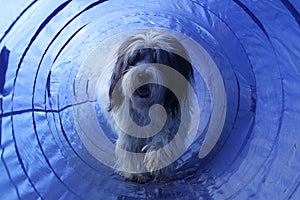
<point>137,67</point>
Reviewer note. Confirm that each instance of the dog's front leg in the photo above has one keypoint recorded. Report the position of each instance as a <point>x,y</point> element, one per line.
<point>158,155</point>
<point>130,162</point>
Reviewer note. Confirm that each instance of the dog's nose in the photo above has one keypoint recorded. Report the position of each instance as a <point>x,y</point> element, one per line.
<point>144,77</point>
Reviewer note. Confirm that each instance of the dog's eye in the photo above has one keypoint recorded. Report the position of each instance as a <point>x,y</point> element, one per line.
<point>129,67</point>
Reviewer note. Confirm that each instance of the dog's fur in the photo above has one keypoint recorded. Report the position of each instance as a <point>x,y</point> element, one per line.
<point>138,158</point>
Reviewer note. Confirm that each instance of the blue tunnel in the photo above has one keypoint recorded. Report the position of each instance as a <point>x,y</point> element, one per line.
<point>56,142</point>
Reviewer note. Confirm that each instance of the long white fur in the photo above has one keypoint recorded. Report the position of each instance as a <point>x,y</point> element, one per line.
<point>133,166</point>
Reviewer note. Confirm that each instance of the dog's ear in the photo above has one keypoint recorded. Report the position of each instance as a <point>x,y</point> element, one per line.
<point>184,67</point>
<point>115,93</point>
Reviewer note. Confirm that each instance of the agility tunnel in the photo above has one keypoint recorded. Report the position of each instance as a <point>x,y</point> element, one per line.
<point>55,142</point>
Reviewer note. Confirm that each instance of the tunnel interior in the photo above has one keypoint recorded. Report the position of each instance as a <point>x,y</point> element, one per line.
<point>56,143</point>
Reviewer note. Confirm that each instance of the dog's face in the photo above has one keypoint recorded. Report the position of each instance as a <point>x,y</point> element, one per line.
<point>142,80</point>
<point>142,83</point>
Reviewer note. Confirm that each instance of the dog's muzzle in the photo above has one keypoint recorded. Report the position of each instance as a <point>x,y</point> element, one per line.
<point>144,92</point>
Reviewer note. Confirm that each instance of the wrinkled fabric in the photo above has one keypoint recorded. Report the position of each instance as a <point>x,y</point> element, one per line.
<point>255,45</point>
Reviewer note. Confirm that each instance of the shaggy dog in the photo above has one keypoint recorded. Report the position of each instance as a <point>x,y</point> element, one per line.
<point>138,85</point>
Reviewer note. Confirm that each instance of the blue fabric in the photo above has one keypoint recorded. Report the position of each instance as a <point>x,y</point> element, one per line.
<point>255,44</point>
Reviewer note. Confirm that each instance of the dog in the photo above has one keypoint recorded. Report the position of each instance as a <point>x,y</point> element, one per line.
<point>139,88</point>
